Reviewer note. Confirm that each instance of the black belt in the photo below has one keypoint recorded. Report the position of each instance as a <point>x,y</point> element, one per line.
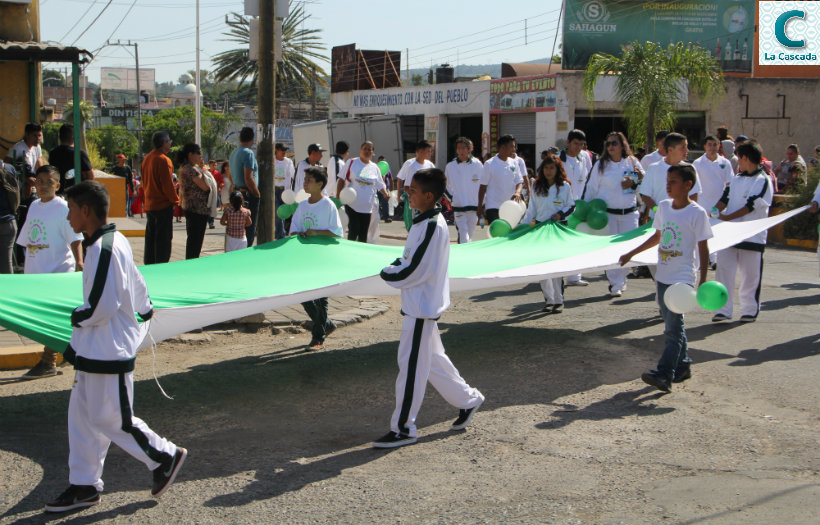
<point>621,212</point>
<point>465,208</point>
<point>98,366</point>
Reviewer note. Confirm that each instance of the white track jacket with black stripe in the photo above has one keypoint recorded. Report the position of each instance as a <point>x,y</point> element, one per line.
<point>421,273</point>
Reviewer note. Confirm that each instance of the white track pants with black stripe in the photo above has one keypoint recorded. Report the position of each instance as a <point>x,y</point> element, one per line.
<point>620,224</point>
<point>99,412</point>
<point>553,290</point>
<point>422,358</point>
<point>749,264</point>
<point>465,224</point>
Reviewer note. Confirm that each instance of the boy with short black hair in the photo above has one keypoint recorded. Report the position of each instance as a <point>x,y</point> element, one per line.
<point>103,349</point>
<point>316,215</point>
<point>682,228</point>
<point>51,246</point>
<point>421,275</point>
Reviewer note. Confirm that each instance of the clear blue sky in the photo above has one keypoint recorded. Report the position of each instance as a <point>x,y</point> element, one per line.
<point>478,32</point>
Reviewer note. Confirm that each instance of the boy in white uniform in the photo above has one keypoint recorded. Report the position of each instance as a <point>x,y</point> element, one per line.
<point>51,246</point>
<point>714,174</point>
<point>577,164</point>
<point>103,349</point>
<point>653,186</point>
<point>420,162</point>
<point>421,274</point>
<point>463,179</point>
<point>501,180</point>
<point>335,167</point>
<point>658,154</point>
<point>282,178</point>
<point>317,215</point>
<point>746,198</point>
<point>682,229</point>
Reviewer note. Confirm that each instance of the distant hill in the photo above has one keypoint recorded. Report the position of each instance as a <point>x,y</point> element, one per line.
<point>464,70</point>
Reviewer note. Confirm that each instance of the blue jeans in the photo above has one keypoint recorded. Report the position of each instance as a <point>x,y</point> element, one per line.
<point>279,230</point>
<point>675,355</point>
<point>252,203</point>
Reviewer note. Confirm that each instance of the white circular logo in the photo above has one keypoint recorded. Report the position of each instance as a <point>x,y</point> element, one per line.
<point>594,11</point>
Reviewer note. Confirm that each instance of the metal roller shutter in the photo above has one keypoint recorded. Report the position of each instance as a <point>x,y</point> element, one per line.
<point>521,126</point>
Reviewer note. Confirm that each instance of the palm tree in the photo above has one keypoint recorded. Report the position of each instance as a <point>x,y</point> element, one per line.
<point>301,49</point>
<point>650,80</point>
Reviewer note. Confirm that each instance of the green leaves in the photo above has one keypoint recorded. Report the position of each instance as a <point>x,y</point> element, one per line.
<point>652,81</point>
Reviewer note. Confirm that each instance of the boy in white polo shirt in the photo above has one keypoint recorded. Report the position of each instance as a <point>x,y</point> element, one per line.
<point>653,186</point>
<point>682,229</point>
<point>463,180</point>
<point>501,180</point>
<point>421,161</point>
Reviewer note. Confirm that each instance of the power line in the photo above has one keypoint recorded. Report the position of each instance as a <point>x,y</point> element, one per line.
<point>78,20</point>
<point>118,25</point>
<point>93,22</point>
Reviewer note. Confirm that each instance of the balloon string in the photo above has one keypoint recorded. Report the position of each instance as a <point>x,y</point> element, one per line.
<point>154,361</point>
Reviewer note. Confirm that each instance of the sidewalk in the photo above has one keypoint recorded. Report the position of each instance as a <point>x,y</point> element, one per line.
<point>21,352</point>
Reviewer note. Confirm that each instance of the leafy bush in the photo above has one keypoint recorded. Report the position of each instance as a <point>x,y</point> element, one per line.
<point>111,141</point>
<point>803,225</point>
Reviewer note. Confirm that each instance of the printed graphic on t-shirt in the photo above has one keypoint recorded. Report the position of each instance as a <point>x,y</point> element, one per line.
<point>37,237</point>
<point>670,241</point>
<point>310,221</point>
<point>280,174</point>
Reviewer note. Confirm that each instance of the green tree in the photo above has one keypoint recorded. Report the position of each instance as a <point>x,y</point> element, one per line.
<point>301,51</point>
<point>417,79</point>
<point>53,78</point>
<point>649,82</point>
<point>113,140</point>
<point>179,123</point>
<point>86,113</point>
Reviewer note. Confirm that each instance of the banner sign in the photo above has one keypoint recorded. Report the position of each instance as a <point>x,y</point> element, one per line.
<point>725,28</point>
<point>522,94</point>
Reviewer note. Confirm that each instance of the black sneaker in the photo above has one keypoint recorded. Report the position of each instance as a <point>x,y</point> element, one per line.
<point>75,497</point>
<point>682,375</point>
<point>548,308</point>
<point>464,418</point>
<point>719,317</point>
<point>656,380</point>
<point>166,473</point>
<point>39,371</point>
<point>748,318</point>
<point>558,308</point>
<point>393,440</point>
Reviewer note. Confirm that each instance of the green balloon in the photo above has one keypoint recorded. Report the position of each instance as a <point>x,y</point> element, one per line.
<point>337,202</point>
<point>597,204</point>
<point>408,213</point>
<point>712,295</point>
<point>573,221</point>
<point>499,228</point>
<point>581,210</point>
<point>384,167</point>
<point>597,219</point>
<point>284,211</point>
<point>520,227</point>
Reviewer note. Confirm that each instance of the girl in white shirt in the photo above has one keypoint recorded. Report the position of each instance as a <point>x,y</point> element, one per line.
<point>614,178</point>
<point>551,199</point>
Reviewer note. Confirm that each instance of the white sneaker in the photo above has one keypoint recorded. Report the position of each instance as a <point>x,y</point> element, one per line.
<point>579,282</point>
<point>615,293</point>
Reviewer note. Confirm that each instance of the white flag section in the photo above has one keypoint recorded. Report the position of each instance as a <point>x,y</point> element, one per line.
<point>168,322</point>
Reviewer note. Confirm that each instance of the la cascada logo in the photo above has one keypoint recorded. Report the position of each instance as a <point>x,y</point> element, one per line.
<point>789,33</point>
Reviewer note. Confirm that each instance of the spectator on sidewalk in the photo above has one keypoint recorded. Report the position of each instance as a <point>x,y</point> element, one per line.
<point>63,158</point>
<point>160,199</point>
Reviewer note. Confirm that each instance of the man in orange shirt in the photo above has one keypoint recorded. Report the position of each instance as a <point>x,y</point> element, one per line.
<point>160,198</point>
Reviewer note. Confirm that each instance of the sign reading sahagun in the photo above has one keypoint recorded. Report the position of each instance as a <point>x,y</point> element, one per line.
<point>725,28</point>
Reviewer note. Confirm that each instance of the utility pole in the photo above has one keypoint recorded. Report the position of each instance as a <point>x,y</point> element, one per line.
<point>313,94</point>
<point>139,97</point>
<point>197,97</point>
<point>267,98</point>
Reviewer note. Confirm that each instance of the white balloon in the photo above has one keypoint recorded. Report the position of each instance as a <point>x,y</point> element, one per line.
<point>585,228</point>
<point>680,298</point>
<point>343,218</point>
<point>510,211</point>
<point>523,206</point>
<point>347,195</point>
<point>302,195</point>
<point>288,197</point>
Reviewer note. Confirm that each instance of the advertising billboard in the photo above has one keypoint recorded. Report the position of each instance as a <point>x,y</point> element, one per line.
<point>522,94</point>
<point>725,28</point>
<point>125,79</point>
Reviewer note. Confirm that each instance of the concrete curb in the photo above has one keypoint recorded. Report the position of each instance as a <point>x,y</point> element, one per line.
<point>24,357</point>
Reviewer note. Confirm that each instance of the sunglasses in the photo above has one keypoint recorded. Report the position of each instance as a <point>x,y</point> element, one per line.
<point>612,143</point>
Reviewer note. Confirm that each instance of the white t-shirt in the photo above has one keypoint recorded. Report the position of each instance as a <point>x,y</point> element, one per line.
<point>607,185</point>
<point>501,177</point>
<point>30,155</point>
<point>410,167</point>
<point>755,190</point>
<point>322,215</point>
<point>713,177</point>
<point>577,169</point>
<point>681,230</point>
<point>463,181</point>
<point>47,237</point>
<point>367,180</point>
<point>650,159</point>
<point>299,178</point>
<point>334,168</point>
<point>654,183</point>
<point>283,173</point>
